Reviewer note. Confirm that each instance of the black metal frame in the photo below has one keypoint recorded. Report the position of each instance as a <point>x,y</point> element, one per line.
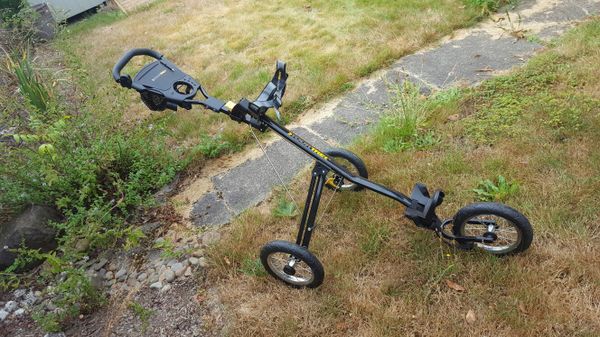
<point>158,82</point>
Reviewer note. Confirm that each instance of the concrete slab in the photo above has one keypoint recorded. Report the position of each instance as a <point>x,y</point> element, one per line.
<point>211,210</point>
<point>248,184</point>
<point>468,61</point>
<point>565,11</point>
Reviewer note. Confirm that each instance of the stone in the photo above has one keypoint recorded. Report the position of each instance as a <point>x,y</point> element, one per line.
<point>171,262</point>
<point>168,275</point>
<point>165,288</point>
<point>96,280</point>
<point>178,268</point>
<point>10,306</point>
<point>121,275</point>
<point>19,293</point>
<point>188,272</point>
<point>99,264</point>
<point>142,277</point>
<point>82,245</point>
<point>37,293</point>
<point>55,334</point>
<point>153,278</point>
<point>202,262</point>
<point>30,228</point>
<point>159,241</point>
<point>109,275</point>
<point>150,227</point>
<point>210,238</point>
<point>194,261</point>
<point>29,299</point>
<point>156,285</point>
<point>19,312</point>
<point>3,315</point>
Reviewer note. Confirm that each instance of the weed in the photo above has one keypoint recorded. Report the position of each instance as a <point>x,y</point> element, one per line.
<point>285,209</point>
<point>499,190</point>
<point>252,267</point>
<point>142,313</point>
<point>374,239</point>
<point>168,249</point>
<point>212,147</point>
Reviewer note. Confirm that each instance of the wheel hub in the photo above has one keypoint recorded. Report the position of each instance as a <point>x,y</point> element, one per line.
<point>289,270</point>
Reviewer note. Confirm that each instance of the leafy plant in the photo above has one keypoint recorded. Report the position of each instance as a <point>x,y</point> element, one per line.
<point>285,209</point>
<point>142,313</point>
<point>498,190</point>
<point>30,82</point>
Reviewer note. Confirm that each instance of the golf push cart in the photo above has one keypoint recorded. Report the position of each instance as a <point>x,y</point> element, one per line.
<point>493,227</point>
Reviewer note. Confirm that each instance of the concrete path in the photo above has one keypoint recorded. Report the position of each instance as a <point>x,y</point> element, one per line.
<point>466,58</point>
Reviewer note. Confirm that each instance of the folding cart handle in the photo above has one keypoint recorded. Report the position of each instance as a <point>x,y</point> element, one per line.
<point>125,80</point>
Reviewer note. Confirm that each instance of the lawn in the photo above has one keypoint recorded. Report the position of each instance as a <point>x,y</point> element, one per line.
<point>540,128</point>
<point>231,48</point>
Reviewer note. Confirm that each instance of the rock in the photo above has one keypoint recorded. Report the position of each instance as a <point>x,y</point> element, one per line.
<point>96,280</point>
<point>168,275</point>
<point>194,261</point>
<point>156,285</point>
<point>55,334</point>
<point>82,245</point>
<point>38,294</point>
<point>29,299</point>
<point>202,262</point>
<point>171,262</point>
<point>30,228</point>
<point>98,265</point>
<point>159,241</point>
<point>210,238</point>
<point>188,271</point>
<point>10,306</point>
<point>19,293</point>
<point>121,274</point>
<point>153,278</point>
<point>3,315</point>
<point>150,227</point>
<point>165,288</point>
<point>132,282</point>
<point>19,312</point>
<point>198,252</point>
<point>142,277</point>
<point>178,268</point>
<point>109,275</point>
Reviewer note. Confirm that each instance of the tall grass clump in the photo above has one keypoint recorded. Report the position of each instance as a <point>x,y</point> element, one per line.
<point>29,81</point>
<point>403,125</point>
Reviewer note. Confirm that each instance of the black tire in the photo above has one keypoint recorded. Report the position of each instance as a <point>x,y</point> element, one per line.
<point>522,227</point>
<point>285,250</point>
<point>344,157</point>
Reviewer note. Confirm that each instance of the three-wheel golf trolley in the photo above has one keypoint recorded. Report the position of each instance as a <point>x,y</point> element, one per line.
<point>493,227</point>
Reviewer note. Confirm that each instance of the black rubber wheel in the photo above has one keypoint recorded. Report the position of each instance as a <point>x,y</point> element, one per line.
<point>353,165</point>
<point>292,264</point>
<point>512,230</point>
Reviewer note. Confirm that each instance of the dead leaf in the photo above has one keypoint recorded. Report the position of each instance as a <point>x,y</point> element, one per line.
<point>470,317</point>
<point>484,70</point>
<point>227,260</point>
<point>455,286</point>
<point>522,309</point>
<point>454,118</point>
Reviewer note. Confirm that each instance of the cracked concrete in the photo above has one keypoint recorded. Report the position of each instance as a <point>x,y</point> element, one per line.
<point>467,57</point>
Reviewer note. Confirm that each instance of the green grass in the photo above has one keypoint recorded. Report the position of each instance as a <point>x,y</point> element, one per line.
<point>231,48</point>
<point>384,277</point>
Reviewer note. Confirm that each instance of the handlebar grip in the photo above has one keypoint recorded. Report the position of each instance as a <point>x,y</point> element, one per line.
<point>125,80</point>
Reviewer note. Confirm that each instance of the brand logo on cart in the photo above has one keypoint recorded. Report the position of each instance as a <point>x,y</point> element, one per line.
<point>159,75</point>
<point>312,148</point>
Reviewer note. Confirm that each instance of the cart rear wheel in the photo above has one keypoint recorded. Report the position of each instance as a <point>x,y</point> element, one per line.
<point>510,229</point>
<point>292,264</point>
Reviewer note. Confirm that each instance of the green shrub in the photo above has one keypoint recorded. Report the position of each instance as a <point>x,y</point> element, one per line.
<point>30,83</point>
<point>499,190</point>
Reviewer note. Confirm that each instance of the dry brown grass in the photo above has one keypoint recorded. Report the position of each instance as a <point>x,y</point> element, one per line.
<point>231,47</point>
<point>400,289</point>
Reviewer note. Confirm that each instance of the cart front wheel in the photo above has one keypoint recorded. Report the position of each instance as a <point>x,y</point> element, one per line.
<point>349,162</point>
<point>511,231</point>
<point>292,264</point>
